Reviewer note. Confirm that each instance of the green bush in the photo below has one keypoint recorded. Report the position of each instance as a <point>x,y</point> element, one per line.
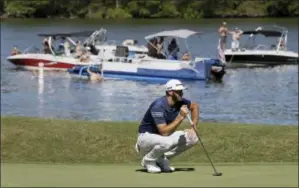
<point>117,13</point>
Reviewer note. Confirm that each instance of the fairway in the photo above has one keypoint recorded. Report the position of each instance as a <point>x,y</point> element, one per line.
<point>120,175</point>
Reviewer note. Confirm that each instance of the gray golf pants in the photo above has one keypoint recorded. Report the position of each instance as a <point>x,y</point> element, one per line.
<point>154,146</point>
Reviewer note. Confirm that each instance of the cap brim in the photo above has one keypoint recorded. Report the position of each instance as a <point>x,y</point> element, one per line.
<point>180,88</point>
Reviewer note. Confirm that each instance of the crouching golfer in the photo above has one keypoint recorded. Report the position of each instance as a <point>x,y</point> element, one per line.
<point>158,139</point>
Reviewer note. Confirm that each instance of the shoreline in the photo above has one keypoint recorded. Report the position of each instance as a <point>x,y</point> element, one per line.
<point>4,17</point>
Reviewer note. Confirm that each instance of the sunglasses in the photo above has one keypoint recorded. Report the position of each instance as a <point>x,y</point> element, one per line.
<point>179,92</point>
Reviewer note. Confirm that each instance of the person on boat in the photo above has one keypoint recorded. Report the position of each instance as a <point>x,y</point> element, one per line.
<point>15,51</point>
<point>160,54</point>
<point>186,56</point>
<point>173,49</point>
<point>78,50</point>
<point>61,44</point>
<point>66,46</point>
<point>46,46</point>
<point>223,31</point>
<point>84,56</point>
<point>93,76</point>
<point>152,48</point>
<point>236,35</point>
<point>281,44</point>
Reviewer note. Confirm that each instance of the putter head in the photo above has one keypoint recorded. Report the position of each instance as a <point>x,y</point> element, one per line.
<point>217,174</point>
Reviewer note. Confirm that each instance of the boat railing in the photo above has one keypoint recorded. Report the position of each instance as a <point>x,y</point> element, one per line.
<point>85,67</point>
<point>81,70</point>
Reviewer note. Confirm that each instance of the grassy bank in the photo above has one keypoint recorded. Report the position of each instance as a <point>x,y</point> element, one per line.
<point>37,140</point>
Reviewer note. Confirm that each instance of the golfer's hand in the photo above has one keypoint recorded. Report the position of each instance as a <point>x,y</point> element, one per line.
<point>184,111</point>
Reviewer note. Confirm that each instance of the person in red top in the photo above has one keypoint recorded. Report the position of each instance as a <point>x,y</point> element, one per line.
<point>15,51</point>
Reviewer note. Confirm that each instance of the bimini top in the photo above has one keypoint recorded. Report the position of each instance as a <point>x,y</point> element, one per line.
<point>266,33</point>
<point>74,34</point>
<point>180,33</point>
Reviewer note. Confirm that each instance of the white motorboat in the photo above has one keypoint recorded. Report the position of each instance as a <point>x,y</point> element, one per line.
<point>107,48</point>
<point>53,58</point>
<point>123,63</point>
<point>262,54</point>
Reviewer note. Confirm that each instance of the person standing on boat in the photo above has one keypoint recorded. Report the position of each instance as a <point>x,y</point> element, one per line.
<point>223,35</point>
<point>236,35</point>
<point>46,46</point>
<point>66,47</point>
<point>61,44</point>
<point>160,48</point>
<point>152,48</point>
<point>78,50</point>
<point>173,50</point>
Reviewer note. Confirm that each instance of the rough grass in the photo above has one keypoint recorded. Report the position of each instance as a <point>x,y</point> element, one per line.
<point>38,140</point>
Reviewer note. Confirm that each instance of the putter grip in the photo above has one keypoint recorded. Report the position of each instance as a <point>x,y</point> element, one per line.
<point>190,120</point>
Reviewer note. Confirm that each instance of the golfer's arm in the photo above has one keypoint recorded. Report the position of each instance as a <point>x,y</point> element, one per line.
<point>166,130</point>
<point>194,108</point>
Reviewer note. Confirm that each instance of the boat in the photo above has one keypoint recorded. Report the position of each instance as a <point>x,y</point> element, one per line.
<point>57,59</point>
<point>106,48</point>
<point>54,57</point>
<point>262,54</point>
<point>121,64</point>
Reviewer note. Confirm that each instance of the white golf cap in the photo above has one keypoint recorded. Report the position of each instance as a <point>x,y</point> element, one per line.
<point>174,84</point>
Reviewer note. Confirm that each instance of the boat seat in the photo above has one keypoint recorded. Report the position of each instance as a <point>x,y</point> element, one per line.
<point>122,51</point>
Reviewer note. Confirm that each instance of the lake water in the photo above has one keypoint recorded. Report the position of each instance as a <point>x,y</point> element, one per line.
<point>256,95</point>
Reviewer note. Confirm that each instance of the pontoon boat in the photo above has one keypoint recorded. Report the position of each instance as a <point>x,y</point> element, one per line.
<point>123,64</point>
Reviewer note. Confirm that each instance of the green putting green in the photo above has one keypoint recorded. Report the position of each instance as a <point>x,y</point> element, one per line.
<point>50,175</point>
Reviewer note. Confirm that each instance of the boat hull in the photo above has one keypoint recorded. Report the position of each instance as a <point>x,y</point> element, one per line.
<point>151,71</point>
<point>49,62</point>
<point>111,70</point>
<point>262,57</point>
<point>33,64</point>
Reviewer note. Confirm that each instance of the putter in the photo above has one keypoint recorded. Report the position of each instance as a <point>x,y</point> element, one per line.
<point>200,141</point>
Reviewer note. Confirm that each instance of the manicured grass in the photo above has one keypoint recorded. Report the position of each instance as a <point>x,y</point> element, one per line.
<point>49,175</point>
<point>25,140</point>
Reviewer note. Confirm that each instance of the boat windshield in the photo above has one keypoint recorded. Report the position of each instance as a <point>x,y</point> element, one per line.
<point>261,43</point>
<point>263,40</point>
